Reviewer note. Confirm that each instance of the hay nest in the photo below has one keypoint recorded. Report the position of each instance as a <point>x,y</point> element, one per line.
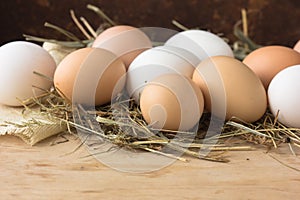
<point>132,132</point>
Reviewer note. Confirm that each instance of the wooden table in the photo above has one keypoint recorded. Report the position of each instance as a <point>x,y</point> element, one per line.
<point>49,172</point>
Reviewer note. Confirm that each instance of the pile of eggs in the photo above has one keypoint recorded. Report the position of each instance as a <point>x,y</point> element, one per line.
<point>193,72</point>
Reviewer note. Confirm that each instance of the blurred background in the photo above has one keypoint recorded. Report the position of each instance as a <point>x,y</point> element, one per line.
<point>270,21</point>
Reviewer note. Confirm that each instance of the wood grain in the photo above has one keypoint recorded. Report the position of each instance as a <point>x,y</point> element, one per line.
<point>49,172</point>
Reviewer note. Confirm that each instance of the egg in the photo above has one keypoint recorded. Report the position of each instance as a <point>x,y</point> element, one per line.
<point>297,46</point>
<point>155,62</point>
<point>231,89</point>
<point>284,96</point>
<point>201,43</point>
<point>19,61</point>
<point>58,52</point>
<point>267,61</point>
<point>124,41</point>
<point>172,102</point>
<point>90,76</point>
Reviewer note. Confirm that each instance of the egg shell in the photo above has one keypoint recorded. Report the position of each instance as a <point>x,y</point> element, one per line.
<point>267,61</point>
<point>58,52</point>
<point>172,102</point>
<point>202,44</point>
<point>284,96</point>
<point>297,46</point>
<point>230,88</point>
<point>155,62</point>
<point>90,76</point>
<point>18,62</point>
<point>124,41</point>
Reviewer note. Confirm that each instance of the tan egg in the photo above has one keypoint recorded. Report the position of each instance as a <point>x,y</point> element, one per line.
<point>172,102</point>
<point>90,76</point>
<point>297,46</point>
<point>267,61</point>
<point>230,88</point>
<point>124,41</point>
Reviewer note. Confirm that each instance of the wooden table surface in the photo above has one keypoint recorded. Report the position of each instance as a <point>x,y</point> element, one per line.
<point>47,171</point>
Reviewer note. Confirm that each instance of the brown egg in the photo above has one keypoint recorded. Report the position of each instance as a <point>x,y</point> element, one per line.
<point>124,41</point>
<point>172,102</point>
<point>297,46</point>
<point>267,61</point>
<point>90,76</point>
<point>230,89</point>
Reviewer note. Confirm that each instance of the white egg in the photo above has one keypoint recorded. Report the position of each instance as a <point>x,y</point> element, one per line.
<point>155,62</point>
<point>18,63</point>
<point>284,96</point>
<point>201,43</point>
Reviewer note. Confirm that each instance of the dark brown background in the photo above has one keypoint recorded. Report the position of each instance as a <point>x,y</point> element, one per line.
<point>270,21</point>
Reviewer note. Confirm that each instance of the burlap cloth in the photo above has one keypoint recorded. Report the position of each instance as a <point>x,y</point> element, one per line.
<point>30,127</point>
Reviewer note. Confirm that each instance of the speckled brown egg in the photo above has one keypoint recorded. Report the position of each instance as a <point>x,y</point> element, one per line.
<point>267,61</point>
<point>172,102</point>
<point>90,76</point>
<point>231,89</point>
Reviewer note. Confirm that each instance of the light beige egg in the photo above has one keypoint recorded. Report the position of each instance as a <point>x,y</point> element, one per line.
<point>58,52</point>
<point>297,46</point>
